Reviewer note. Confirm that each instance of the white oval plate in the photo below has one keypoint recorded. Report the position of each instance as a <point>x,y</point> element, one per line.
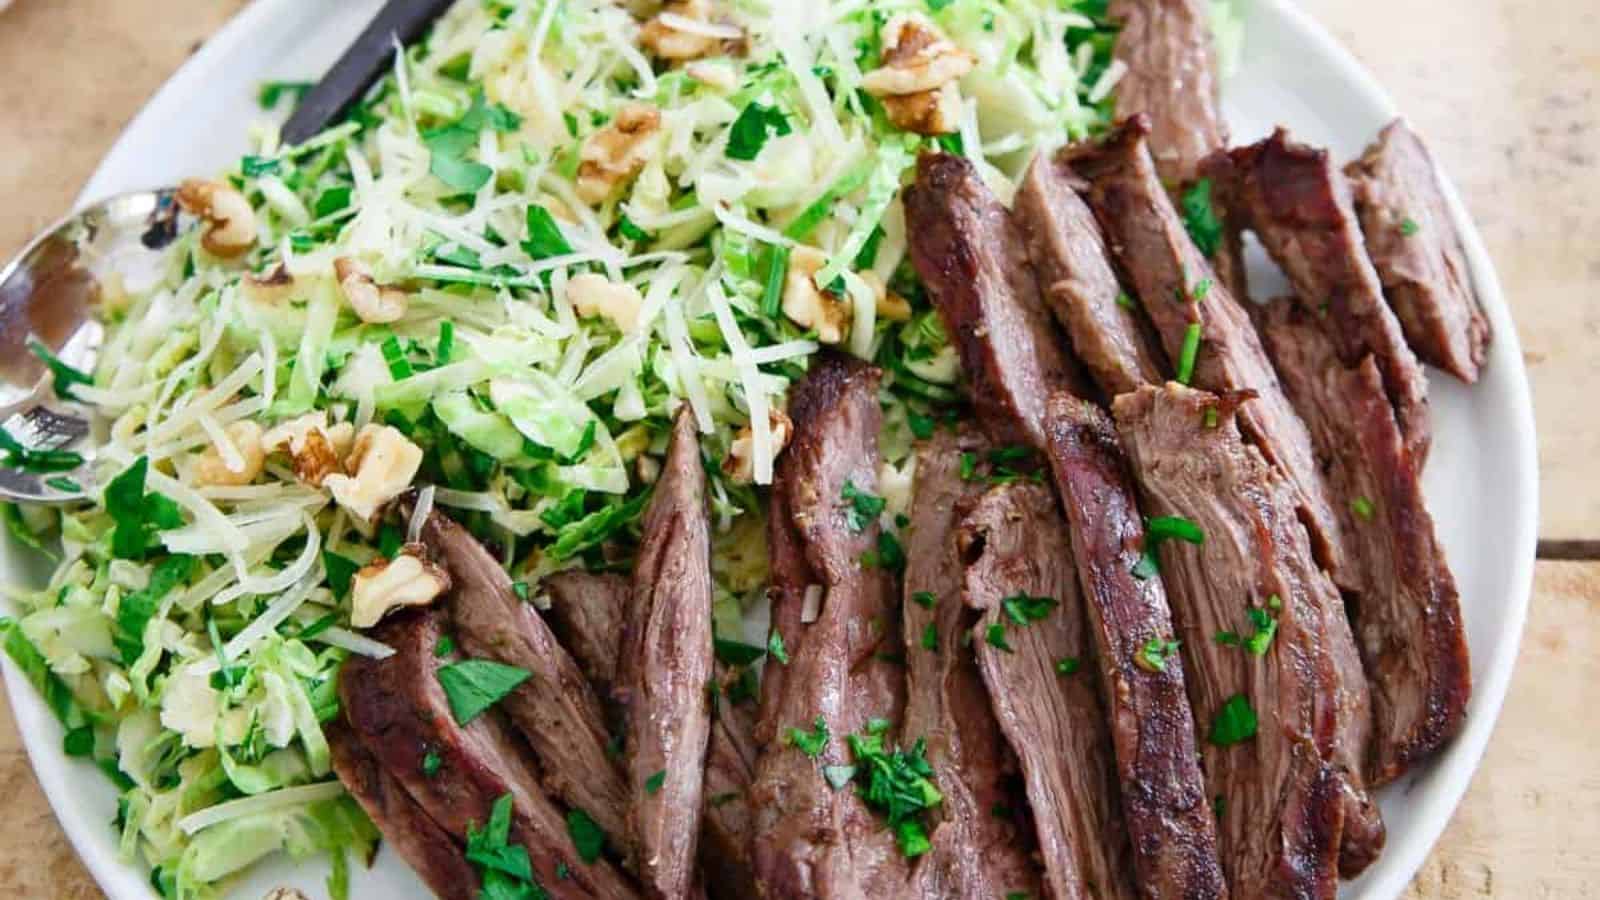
<point>1482,483</point>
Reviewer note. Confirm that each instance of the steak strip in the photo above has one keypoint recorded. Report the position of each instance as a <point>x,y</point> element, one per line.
<point>1289,793</point>
<point>429,850</point>
<point>665,668</point>
<point>1412,238</point>
<point>1078,282</point>
<point>556,709</point>
<point>1171,77</point>
<point>585,614</point>
<point>1300,206</point>
<point>1014,545</point>
<point>1164,802</point>
<point>975,855</point>
<point>398,709</point>
<point>811,840</point>
<point>1404,604</point>
<point>973,260</point>
<point>1177,289</point>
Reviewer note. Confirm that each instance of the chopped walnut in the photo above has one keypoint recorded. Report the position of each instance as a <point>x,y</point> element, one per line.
<point>808,306</point>
<point>384,462</point>
<point>612,156</point>
<point>316,447</point>
<point>374,303</point>
<point>917,82</point>
<point>891,306</point>
<point>230,222</point>
<point>212,470</point>
<point>595,295</point>
<point>384,585</point>
<point>739,464</point>
<point>676,45</point>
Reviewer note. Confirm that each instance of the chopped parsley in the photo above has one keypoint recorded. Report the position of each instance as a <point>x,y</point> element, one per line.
<point>921,426</point>
<point>751,130</point>
<point>775,647</point>
<point>506,869</point>
<point>1125,301</point>
<point>445,647</point>
<point>1363,508</point>
<point>1023,609</point>
<point>1234,723</point>
<point>777,275</point>
<point>1266,627</point>
<point>969,467</point>
<point>544,235</point>
<point>1189,353</point>
<point>138,515</point>
<point>1153,655</point>
<point>930,637</point>
<point>1068,665</point>
<point>474,685</point>
<point>1409,227</point>
<point>1227,638</point>
<point>996,637</point>
<point>587,836</point>
<point>899,784</point>
<point>1200,217</point>
<point>812,742</point>
<point>1147,567</point>
<point>889,555</point>
<point>924,599</point>
<point>431,763</point>
<point>863,508</point>
<point>341,570</point>
<point>1157,530</point>
<point>652,785</point>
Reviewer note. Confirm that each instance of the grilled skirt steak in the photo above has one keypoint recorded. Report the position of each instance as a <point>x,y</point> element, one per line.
<point>1299,205</point>
<point>429,850</point>
<point>399,711</point>
<point>586,610</point>
<point>1172,78</point>
<point>1178,289</point>
<point>1272,671</point>
<point>1078,282</point>
<point>556,710</point>
<point>1406,612</point>
<point>811,840</point>
<point>1412,239</point>
<point>665,668</point>
<point>1164,801</point>
<point>975,854</point>
<point>1032,631</point>
<point>974,262</point>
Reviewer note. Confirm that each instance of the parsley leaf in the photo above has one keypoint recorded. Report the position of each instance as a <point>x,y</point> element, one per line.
<point>924,599</point>
<point>447,160</point>
<point>812,742</point>
<point>889,555</point>
<point>138,515</point>
<point>996,636</point>
<point>653,784</point>
<point>930,637</point>
<point>1200,218</point>
<point>341,570</point>
<point>330,201</point>
<point>1409,227</point>
<point>1234,723</point>
<point>474,685</point>
<point>431,763</point>
<point>135,610</point>
<point>491,847</point>
<point>544,235</point>
<point>272,91</point>
<point>899,784</point>
<point>1266,628</point>
<point>775,647</point>
<point>756,123</point>
<point>587,836</point>
<point>1153,655</point>
<point>1067,665</point>
<point>1023,609</point>
<point>864,508</point>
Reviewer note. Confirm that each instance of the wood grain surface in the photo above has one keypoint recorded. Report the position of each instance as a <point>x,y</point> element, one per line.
<point>1506,91</point>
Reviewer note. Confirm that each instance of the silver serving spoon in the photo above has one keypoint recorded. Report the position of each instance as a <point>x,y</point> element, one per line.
<point>47,292</point>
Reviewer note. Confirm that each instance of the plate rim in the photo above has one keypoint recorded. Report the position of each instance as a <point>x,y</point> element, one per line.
<point>1493,673</point>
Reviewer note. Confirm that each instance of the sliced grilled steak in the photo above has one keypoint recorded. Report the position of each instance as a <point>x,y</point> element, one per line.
<point>1076,279</point>
<point>1299,205</point>
<point>401,714</point>
<point>975,854</point>
<point>1164,801</point>
<point>586,610</point>
<point>1406,612</point>
<point>665,668</point>
<point>811,840</point>
<point>1172,77</point>
<point>971,256</point>
<point>429,850</point>
<point>555,710</point>
<point>1178,289</point>
<point>1412,238</point>
<point>1290,794</point>
<point>726,827</point>
<point>1019,573</point>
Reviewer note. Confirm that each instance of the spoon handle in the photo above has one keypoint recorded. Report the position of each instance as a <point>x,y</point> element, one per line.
<point>370,56</point>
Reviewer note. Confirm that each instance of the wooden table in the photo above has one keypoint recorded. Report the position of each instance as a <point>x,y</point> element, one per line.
<point>1509,93</point>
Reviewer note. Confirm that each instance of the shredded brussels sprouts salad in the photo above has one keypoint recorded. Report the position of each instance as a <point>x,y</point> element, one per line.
<point>554,222</point>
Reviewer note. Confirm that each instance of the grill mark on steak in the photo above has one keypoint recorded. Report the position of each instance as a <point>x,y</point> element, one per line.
<point>1166,270</point>
<point>664,671</point>
<point>1406,613</point>
<point>973,261</point>
<point>1168,814</point>
<point>1078,282</point>
<point>398,709</point>
<point>1412,238</point>
<point>556,709</point>
<point>429,850</point>
<point>1014,542</point>
<point>809,839</point>
<point>1167,45</point>
<point>1290,794</point>
<point>1300,206</point>
<point>975,854</point>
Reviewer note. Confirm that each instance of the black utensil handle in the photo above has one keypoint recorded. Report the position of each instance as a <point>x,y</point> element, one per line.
<point>370,56</point>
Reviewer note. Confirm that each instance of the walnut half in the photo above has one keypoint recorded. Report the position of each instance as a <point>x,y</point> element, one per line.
<point>384,585</point>
<point>918,82</point>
